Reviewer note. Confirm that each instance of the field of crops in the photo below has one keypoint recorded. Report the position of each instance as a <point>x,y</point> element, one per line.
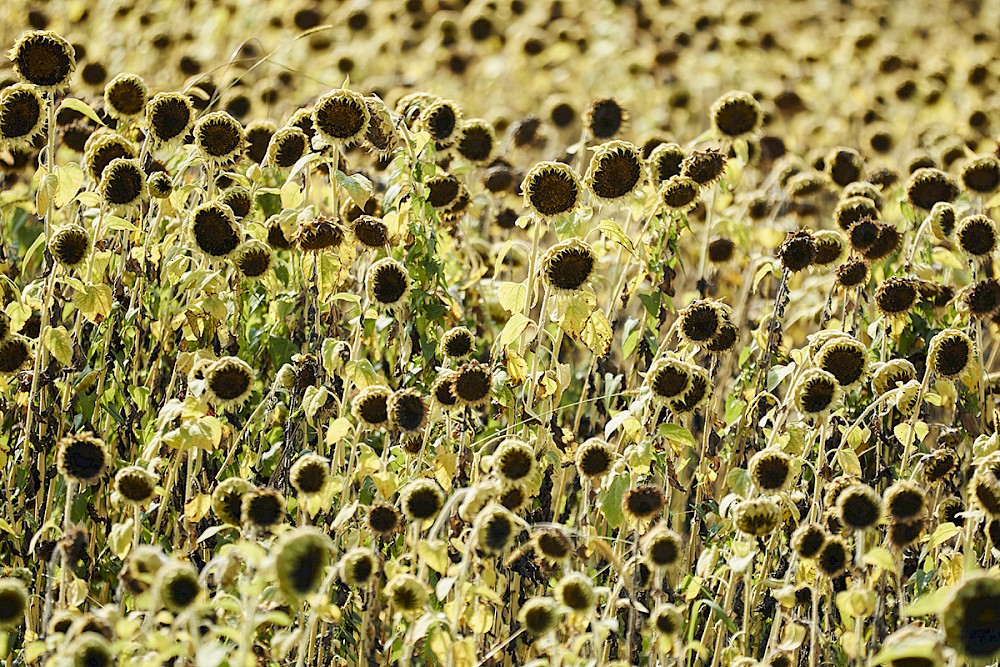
<point>482,333</point>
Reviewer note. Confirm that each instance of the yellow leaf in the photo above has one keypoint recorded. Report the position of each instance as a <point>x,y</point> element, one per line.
<point>435,554</point>
<point>59,343</point>
<point>598,333</point>
<point>615,233</point>
<point>512,296</point>
<point>196,508</point>
<point>517,367</point>
<point>94,302</point>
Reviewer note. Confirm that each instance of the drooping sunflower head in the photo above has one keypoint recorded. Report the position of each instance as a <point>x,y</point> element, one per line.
<point>757,516</point>
<point>320,233</point>
<point>381,134</point>
<point>844,165</point>
<point>253,258</point>
<point>70,245</point>
<point>358,567</point>
<point>904,501</point>
<point>476,141</point>
<point>408,410</point>
<point>846,359</point>
<point>896,296</point>
<point>852,273</point>
<point>15,352</point>
<point>13,603</point>
<point>595,458</point>
<point>215,230</point>
<point>442,120</point>
<point>239,199</point>
<point>615,171</point>
<point>798,251</point>
<point>859,507</point>
<point>135,485</point>
<point>22,115</point>
<point>771,470</point>
<point>169,117</point>
<point>407,593</point>
<point>341,117</point>
<point>950,353</point>
<point>82,458</point>
<point>457,343</point>
<point>177,586</point>
<point>736,114</point>
<point>259,133</point>
<point>696,394</point>
<point>229,381</point>
<point>831,248</point>
<point>981,175</point>
<point>554,545</point>
<point>662,548</point>
<point>371,232</point>
<point>443,190</point>
<point>700,322</point>
<point>552,189</point>
<point>643,502</point>
<point>472,384</point>
<point>421,500</point>
<point>704,167</point>
<point>220,138</point>
<point>669,378</point>
<point>943,220</point>
<point>383,519</point>
<point>568,266</point>
<point>833,557</point>
<point>301,557</point>
<point>159,185</point>
<point>514,461</point>
<point>387,282</point>
<point>287,146</point>
<point>679,193</point>
<point>310,474</point>
<point>668,620</point>
<point>123,185</point>
<point>982,299</point>
<point>44,59</point>
<point>665,162</point>
<point>605,118</point>
<point>102,148</point>
<point>227,499</point>
<point>808,539</point>
<point>977,235</point>
<point>892,374</point>
<point>817,392</point>
<point>972,617</point>
<point>125,96</point>
<point>928,186</point>
<point>370,406</point>
<point>496,529</point>
<point>263,509</point>
<point>539,615</point>
<point>576,592</point>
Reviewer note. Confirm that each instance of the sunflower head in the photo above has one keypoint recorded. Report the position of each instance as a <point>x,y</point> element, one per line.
<point>514,461</point>
<point>227,500</point>
<point>553,545</point>
<point>123,184</point>
<point>981,175</point>
<point>605,118</point>
<point>950,353</point>
<point>643,502</point>
<point>551,189</point>
<point>662,548</point>
<point>220,138</point>
<point>442,120</point>
<point>371,406</point>
<point>665,162</point>
<point>568,266</point>
<point>287,146</point>
<point>704,167</point>
<point>833,557</point>
<point>757,516</point>
<point>539,615</point>
<point>701,321</point>
<point>44,59</point>
<point>258,134</point>
<point>615,171</point>
<point>341,117</point>
<point>407,593</point>
<point>102,148</point>
<point>576,592</point>
<point>808,539</point>
<point>135,485</point>
<point>669,378</point>
<point>310,474</point>
<point>928,186</point>
<point>125,96</point>
<point>159,185</point>
<point>215,230</point>
<point>943,220</point>
<point>846,359</point>
<point>798,251</point>
<point>476,141</point>
<point>896,296</point>
<point>13,603</point>
<point>370,232</point>
<point>595,458</point>
<point>388,282</point>
<point>696,394</point>
<point>263,509</point>
<point>817,392</point>
<point>169,117</point>
<point>852,273</point>
<point>892,374</point>
<point>971,619</point>
<point>679,193</point>
<point>495,530</point>
<point>301,557</point>
<point>358,567</point>
<point>383,519</point>
<point>859,507</point>
<point>177,586</point>
<point>977,235</point>
<point>15,352</point>
<point>22,115</point>
<point>82,458</point>
<point>381,134</point>
<point>457,343</point>
<point>771,470</point>
<point>229,381</point>
<point>253,258</point>
<point>421,500</point>
<point>70,245</point>
<point>736,114</point>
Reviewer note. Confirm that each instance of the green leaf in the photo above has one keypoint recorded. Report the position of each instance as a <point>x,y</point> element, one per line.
<point>615,233</point>
<point>80,106</point>
<point>848,461</point>
<point>944,532</point>
<point>678,434</point>
<point>57,340</point>
<point>358,187</point>
<point>932,603</point>
<point>94,302</point>
<point>880,557</point>
<point>611,500</point>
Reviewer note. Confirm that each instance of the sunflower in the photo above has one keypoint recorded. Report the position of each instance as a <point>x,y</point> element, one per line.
<point>891,374</point>
<point>669,378</point>
<point>123,185</point>
<point>215,230</point>
<point>595,458</point>
<point>252,259</point>
<point>102,148</point>
<point>169,117</point>
<point>896,296</point>
<point>928,186</point>
<point>70,245</point>
<point>135,485</point>
<point>972,618</point>
<point>219,138</point>
<point>736,115</point>
<point>457,343</point>
<point>407,593</point>
<point>846,359</point>
<point>679,193</point>
<point>981,175</point>
<point>177,586</point>
<point>371,406</point>
<point>757,516</point>
<point>125,96</point>
<point>310,474</point>
<point>576,592</point>
<point>287,147</point>
<point>441,119</point>
<point>859,507</point>
<point>82,458</point>
<point>15,352</point>
<point>771,470</point>
<point>696,394</point>
<point>605,118</point>
<point>13,603</point>
<point>568,266</point>
<point>551,189</point>
<point>22,115</point>
<point>358,567</point>
<point>615,171</point>
<point>539,615</point>
<point>44,59</point>
<point>476,141</point>
<point>301,557</point>
<point>950,353</point>
<point>421,500</point>
<point>381,134</point>
<point>514,461</point>
<point>229,381</point>
<point>341,117</point>
<point>387,282</point>
<point>665,162</point>
<point>816,392</point>
<point>977,235</point>
<point>704,167</point>
<point>227,500</point>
